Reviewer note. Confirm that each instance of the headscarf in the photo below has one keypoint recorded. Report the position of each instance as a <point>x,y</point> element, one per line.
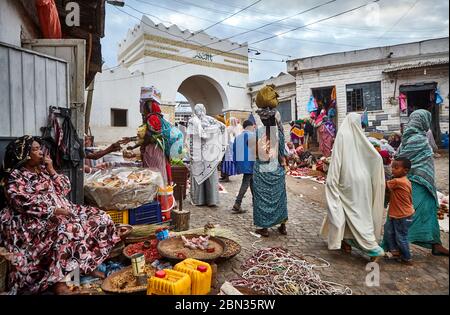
<point>386,157</point>
<point>207,144</point>
<point>415,147</point>
<point>235,128</point>
<point>16,155</point>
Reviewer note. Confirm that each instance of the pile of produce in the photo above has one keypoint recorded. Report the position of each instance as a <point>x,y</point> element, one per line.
<point>148,248</point>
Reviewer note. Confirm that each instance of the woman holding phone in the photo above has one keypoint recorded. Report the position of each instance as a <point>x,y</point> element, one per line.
<point>48,235</point>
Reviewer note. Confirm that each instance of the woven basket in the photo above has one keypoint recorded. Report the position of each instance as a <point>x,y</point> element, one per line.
<point>3,273</point>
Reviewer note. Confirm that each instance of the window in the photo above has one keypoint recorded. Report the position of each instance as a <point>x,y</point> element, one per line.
<point>285,110</point>
<point>364,95</point>
<point>119,117</point>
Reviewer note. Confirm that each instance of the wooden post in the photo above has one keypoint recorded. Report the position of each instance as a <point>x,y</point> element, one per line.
<point>181,220</point>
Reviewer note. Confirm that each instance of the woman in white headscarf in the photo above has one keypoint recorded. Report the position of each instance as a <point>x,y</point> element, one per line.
<point>206,149</point>
<point>354,191</point>
<point>228,167</point>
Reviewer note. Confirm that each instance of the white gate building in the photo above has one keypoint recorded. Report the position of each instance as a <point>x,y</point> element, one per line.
<point>202,68</point>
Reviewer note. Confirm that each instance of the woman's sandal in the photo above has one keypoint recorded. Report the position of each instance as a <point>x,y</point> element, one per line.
<point>439,250</point>
<point>282,229</point>
<point>346,247</point>
<point>263,232</point>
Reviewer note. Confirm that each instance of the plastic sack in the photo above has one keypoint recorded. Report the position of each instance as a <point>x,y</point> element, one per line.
<point>267,97</point>
<point>174,140</point>
<point>439,99</point>
<point>122,188</point>
<point>312,105</point>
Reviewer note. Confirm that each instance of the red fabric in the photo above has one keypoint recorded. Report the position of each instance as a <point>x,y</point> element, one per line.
<point>154,123</point>
<point>169,171</point>
<point>155,107</point>
<point>386,157</point>
<point>49,19</point>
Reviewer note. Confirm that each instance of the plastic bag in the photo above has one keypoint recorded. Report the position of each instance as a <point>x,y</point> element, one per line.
<point>122,188</point>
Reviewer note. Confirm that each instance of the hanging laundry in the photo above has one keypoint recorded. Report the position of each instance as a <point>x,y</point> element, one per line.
<point>312,104</point>
<point>439,99</point>
<point>333,98</point>
<point>403,100</point>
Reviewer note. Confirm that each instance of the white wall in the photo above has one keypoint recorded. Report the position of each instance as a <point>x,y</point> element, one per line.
<point>120,88</point>
<point>13,20</point>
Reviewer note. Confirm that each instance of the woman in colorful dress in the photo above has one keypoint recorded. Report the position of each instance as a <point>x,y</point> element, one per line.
<point>269,179</point>
<point>49,236</point>
<point>153,155</point>
<point>424,230</point>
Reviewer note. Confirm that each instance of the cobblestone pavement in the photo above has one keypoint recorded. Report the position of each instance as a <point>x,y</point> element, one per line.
<point>429,275</point>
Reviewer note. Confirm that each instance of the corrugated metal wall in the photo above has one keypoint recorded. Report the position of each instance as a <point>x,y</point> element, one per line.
<point>29,84</point>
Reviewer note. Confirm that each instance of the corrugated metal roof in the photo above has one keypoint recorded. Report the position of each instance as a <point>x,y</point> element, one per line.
<point>420,64</point>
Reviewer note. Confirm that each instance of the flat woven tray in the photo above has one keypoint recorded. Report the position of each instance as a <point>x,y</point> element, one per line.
<point>109,283</point>
<point>172,247</point>
<point>232,248</point>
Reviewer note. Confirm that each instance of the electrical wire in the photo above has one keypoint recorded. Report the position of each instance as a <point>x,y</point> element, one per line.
<point>256,42</point>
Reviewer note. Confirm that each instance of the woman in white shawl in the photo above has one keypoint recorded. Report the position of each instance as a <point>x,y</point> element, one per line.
<point>355,192</point>
<point>206,149</point>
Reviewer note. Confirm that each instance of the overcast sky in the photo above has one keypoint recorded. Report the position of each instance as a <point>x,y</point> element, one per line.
<point>384,23</point>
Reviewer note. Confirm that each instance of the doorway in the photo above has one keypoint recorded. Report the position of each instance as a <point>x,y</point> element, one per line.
<point>423,96</point>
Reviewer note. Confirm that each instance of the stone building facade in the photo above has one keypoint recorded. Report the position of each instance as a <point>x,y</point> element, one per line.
<point>374,78</point>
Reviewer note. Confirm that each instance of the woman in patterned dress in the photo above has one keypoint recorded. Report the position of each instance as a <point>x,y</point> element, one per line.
<point>48,236</point>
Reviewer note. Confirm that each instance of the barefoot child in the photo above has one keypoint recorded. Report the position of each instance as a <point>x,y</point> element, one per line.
<point>400,211</point>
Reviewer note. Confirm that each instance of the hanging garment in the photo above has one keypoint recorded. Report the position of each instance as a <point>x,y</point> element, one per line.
<point>68,145</point>
<point>49,19</point>
<point>312,104</point>
<point>355,190</point>
<point>403,100</point>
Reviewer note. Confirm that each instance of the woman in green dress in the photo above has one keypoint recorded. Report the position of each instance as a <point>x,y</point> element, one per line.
<point>269,182</point>
<point>424,230</point>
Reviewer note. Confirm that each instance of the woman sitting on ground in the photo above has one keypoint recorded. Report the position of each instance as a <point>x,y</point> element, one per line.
<point>49,236</point>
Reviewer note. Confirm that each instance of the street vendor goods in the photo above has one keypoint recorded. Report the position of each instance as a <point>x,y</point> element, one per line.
<point>122,188</point>
<point>148,248</point>
<point>176,249</point>
<point>124,281</point>
<point>267,97</point>
<point>275,271</point>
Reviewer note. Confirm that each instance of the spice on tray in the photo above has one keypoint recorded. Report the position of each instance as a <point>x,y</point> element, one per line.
<point>150,251</point>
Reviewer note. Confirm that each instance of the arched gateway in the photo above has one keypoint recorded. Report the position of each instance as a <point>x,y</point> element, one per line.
<point>202,68</point>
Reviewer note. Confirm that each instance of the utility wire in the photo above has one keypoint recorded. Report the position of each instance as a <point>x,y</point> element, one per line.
<point>228,38</point>
<point>400,19</point>
<point>259,41</point>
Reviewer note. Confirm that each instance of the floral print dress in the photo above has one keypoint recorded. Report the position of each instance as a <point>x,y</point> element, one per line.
<point>47,247</point>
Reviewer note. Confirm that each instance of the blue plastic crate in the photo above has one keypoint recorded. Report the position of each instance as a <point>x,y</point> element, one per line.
<point>146,214</point>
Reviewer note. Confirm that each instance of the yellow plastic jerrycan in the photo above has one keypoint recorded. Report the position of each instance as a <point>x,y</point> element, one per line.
<point>169,282</point>
<point>200,273</point>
